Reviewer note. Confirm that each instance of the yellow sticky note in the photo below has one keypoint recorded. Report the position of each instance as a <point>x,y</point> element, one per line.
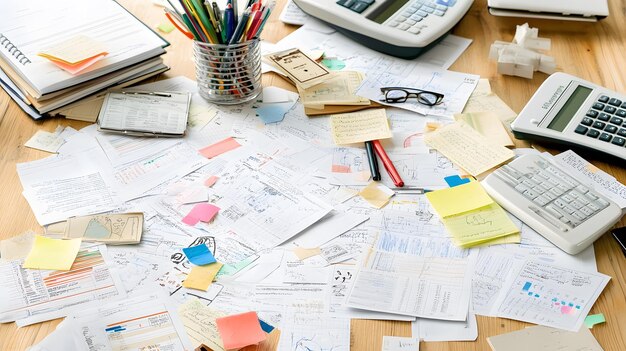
<point>361,126</point>
<point>479,226</point>
<point>515,238</point>
<point>165,27</point>
<point>488,124</point>
<point>458,199</point>
<point>376,194</point>
<point>53,254</point>
<point>74,50</point>
<point>201,277</point>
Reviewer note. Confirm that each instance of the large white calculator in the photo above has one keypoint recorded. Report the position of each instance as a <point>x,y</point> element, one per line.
<point>562,209</point>
<point>401,28</point>
<point>568,110</point>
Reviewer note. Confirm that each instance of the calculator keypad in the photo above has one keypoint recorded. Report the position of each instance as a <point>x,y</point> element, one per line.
<point>564,198</point>
<point>410,17</point>
<point>605,120</point>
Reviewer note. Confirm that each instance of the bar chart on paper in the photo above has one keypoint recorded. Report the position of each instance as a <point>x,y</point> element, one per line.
<point>549,295</point>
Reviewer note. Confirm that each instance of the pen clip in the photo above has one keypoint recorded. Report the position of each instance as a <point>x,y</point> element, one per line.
<point>151,93</point>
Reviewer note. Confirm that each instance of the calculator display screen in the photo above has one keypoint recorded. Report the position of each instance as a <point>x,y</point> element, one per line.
<point>392,7</point>
<point>562,118</point>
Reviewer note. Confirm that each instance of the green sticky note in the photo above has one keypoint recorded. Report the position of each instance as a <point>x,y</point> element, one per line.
<point>165,27</point>
<point>594,319</point>
<point>230,269</point>
<point>334,64</point>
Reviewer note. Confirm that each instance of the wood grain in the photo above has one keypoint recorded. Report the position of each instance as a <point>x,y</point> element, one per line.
<point>592,51</point>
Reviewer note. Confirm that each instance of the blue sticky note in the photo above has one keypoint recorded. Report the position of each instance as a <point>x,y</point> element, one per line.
<point>266,327</point>
<point>199,255</point>
<point>274,113</point>
<point>455,180</point>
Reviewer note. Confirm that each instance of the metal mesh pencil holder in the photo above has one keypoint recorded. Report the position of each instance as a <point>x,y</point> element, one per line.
<point>228,74</point>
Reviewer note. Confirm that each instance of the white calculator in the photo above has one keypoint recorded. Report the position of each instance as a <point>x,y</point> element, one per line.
<point>401,28</point>
<point>568,110</point>
<point>562,209</point>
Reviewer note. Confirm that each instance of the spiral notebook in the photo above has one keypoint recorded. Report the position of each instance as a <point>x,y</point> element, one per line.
<point>28,27</point>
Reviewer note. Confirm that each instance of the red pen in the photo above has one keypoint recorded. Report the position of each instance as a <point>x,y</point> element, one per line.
<point>393,173</point>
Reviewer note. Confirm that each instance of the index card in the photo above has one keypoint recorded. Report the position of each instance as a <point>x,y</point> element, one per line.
<point>52,254</point>
<point>361,126</point>
<point>299,67</point>
<point>199,322</point>
<point>45,141</point>
<point>467,148</point>
<point>122,228</point>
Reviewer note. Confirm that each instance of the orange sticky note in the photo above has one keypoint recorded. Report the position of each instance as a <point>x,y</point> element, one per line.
<point>240,330</point>
<point>201,277</point>
<point>211,181</point>
<point>219,148</point>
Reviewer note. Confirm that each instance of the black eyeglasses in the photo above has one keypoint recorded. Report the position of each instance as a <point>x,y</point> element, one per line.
<point>400,94</point>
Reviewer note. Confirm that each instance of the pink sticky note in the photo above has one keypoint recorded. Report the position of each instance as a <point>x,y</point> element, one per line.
<point>240,330</point>
<point>201,212</point>
<point>219,148</point>
<point>211,181</point>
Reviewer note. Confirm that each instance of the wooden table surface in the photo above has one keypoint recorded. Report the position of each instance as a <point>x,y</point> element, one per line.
<point>592,51</point>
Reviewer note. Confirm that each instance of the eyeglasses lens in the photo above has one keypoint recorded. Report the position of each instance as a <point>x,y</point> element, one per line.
<point>396,95</point>
<point>428,98</point>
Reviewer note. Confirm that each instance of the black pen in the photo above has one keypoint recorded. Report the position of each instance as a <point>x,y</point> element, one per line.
<point>371,158</point>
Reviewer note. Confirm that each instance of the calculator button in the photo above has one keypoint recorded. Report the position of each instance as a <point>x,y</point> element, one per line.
<point>598,106</point>
<point>416,17</point>
<point>622,132</point>
<point>617,120</point>
<point>594,207</point>
<point>428,9</point>
<point>410,22</point>
<point>610,109</point>
<point>592,113</point>
<point>620,113</point>
<point>513,172</point>
<point>586,211</point>
<point>551,210</point>
<point>550,195</point>
<point>567,198</point>
<point>441,8</point>
<point>422,13</point>
<point>604,117</point>
<point>581,189</point>
<point>531,194</point>
<point>615,102</point>
<point>591,197</point>
<point>541,200</point>
<point>603,98</point>
<point>569,209</point>
<point>610,129</point>
<point>359,7</point>
<point>393,23</point>
<point>369,2</point>
<point>593,133</point>
<point>577,204</point>
<point>404,26</point>
<point>400,19</point>
<point>587,121</point>
<point>521,188</point>
<point>619,141</point>
<point>579,216</point>
<point>605,137</point>
<point>559,203</point>
<point>439,13</point>
<point>623,104</point>
<point>599,125</point>
<point>603,203</point>
<point>346,3</point>
<point>581,129</point>
<point>414,30</point>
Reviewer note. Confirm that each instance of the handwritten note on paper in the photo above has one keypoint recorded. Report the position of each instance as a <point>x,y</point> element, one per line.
<point>52,254</point>
<point>300,68</point>
<point>540,338</point>
<point>240,330</point>
<point>470,215</point>
<point>199,322</point>
<point>360,126</point>
<point>550,295</point>
<point>116,229</point>
<point>201,277</point>
<point>199,255</point>
<point>75,54</point>
<point>219,148</point>
<point>601,181</point>
<point>483,99</point>
<point>338,90</point>
<point>488,124</point>
<point>45,141</point>
<point>467,148</point>
<point>400,343</point>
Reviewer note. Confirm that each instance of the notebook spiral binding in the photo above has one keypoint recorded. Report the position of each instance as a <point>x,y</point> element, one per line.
<point>13,50</point>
